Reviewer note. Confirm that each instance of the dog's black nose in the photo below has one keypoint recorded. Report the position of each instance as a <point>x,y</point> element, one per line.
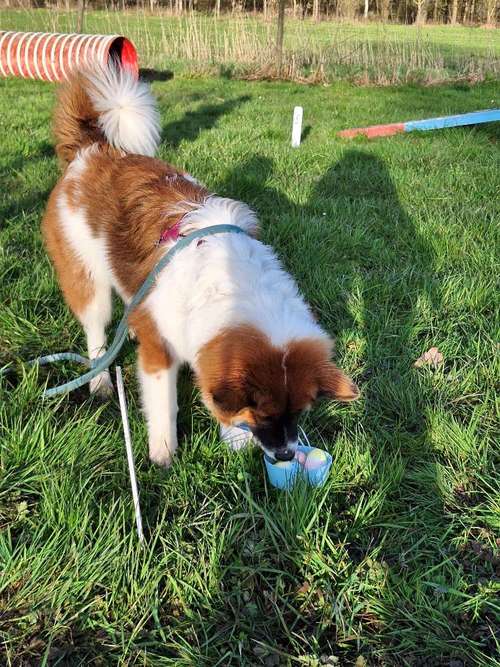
<point>284,454</point>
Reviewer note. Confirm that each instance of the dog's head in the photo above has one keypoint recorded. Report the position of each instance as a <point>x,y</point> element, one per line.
<point>245,379</point>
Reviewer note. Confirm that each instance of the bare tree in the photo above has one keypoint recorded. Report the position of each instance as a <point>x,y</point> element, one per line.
<point>384,9</point>
<point>472,11</point>
<point>491,10</point>
<point>421,11</point>
<point>404,11</point>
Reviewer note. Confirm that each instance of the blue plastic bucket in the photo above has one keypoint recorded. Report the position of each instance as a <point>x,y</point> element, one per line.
<point>285,476</point>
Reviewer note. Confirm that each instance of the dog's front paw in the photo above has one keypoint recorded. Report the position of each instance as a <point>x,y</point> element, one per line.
<point>235,437</point>
<point>161,453</point>
<point>102,386</point>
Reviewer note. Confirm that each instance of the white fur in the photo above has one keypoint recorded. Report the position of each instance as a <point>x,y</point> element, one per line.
<point>159,398</point>
<point>220,211</point>
<point>229,279</point>
<point>78,166</point>
<point>91,250</point>
<point>235,437</point>
<point>128,114</point>
<point>95,319</point>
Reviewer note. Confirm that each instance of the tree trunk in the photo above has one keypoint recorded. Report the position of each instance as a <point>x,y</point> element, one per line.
<point>316,12</point>
<point>279,35</point>
<point>81,16</point>
<point>454,12</point>
<point>491,7</point>
<point>365,15</point>
<point>435,11</point>
<point>466,11</point>
<point>472,11</point>
<point>265,9</point>
<point>421,12</point>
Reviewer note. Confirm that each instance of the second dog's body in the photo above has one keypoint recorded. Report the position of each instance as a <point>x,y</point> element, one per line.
<point>224,304</point>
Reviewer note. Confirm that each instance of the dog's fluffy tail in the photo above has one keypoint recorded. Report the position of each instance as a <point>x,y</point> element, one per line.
<point>106,106</point>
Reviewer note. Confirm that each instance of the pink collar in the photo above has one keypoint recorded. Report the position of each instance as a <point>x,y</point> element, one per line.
<point>171,234</point>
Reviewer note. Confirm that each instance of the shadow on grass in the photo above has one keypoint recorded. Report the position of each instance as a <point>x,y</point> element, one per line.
<point>150,75</point>
<point>361,237</point>
<point>356,228</point>
<point>371,274</point>
<point>190,126</point>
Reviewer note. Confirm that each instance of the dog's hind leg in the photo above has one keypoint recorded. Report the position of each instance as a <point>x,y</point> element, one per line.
<point>94,318</point>
<point>87,291</point>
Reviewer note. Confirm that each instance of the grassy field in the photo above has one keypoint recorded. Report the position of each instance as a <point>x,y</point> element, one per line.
<point>395,561</point>
<point>244,46</point>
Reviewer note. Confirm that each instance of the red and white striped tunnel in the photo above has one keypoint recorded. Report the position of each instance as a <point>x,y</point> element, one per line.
<point>52,56</point>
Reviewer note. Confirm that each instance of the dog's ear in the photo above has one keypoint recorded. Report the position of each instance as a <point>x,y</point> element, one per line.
<point>229,397</point>
<point>335,384</point>
<point>312,375</point>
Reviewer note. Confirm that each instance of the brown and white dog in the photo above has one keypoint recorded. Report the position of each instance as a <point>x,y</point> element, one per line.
<point>224,304</point>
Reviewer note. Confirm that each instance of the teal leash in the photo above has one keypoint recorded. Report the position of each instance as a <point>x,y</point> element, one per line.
<point>101,363</point>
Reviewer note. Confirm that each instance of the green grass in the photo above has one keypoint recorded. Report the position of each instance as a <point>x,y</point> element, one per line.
<point>244,45</point>
<point>396,558</point>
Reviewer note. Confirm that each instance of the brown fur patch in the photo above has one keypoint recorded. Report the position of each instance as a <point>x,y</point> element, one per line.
<point>74,279</point>
<point>153,353</point>
<point>131,200</point>
<point>244,378</point>
<point>309,367</point>
<point>75,119</point>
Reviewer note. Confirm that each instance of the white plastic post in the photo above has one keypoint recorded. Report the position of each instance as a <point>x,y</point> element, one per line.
<point>130,454</point>
<point>297,126</point>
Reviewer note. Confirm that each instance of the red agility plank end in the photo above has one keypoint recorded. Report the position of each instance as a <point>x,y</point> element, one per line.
<point>373,131</point>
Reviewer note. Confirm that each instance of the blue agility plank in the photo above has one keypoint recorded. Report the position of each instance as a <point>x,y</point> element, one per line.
<point>474,118</point>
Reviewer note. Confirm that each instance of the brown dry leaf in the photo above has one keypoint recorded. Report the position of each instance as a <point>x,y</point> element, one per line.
<point>432,357</point>
<point>304,588</point>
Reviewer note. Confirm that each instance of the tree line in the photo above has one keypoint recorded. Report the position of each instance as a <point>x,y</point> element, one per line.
<point>471,12</point>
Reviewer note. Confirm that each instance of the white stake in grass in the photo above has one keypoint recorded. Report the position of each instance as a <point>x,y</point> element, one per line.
<point>297,126</point>
<point>130,454</point>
